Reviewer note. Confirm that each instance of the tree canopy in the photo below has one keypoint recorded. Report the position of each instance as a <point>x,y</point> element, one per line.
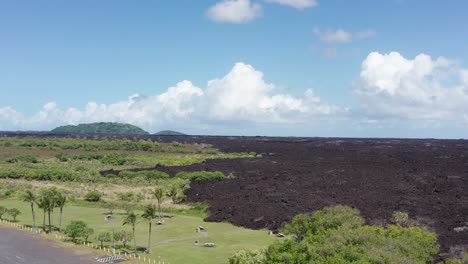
<point>338,235</point>
<point>100,128</point>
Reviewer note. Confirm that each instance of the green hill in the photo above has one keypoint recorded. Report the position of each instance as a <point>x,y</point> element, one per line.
<point>100,128</point>
<point>169,133</point>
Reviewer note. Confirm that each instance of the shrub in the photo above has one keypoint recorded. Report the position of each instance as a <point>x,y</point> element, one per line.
<point>147,174</point>
<point>456,261</point>
<point>23,158</point>
<point>62,157</point>
<point>40,174</point>
<point>248,257</point>
<point>338,235</point>
<point>130,196</point>
<point>78,229</point>
<point>201,175</point>
<point>400,218</point>
<point>211,152</point>
<point>14,212</point>
<point>93,196</point>
<point>114,159</point>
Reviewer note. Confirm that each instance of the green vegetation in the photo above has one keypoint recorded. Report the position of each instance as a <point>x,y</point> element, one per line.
<point>78,229</point>
<point>93,196</point>
<point>149,214</point>
<point>173,241</point>
<point>14,212</point>
<point>3,211</point>
<point>76,182</point>
<point>400,218</point>
<point>100,128</point>
<point>82,160</point>
<point>457,261</point>
<point>104,237</point>
<point>338,235</point>
<point>202,175</point>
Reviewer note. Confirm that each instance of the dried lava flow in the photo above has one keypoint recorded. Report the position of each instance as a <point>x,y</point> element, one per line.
<point>427,178</point>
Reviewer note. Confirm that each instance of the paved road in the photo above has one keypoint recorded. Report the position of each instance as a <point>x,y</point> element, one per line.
<point>17,247</point>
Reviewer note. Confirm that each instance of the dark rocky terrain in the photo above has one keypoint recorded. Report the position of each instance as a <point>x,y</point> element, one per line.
<point>426,177</point>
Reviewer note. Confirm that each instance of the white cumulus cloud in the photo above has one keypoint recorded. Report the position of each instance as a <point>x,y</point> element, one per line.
<point>241,96</point>
<point>234,11</point>
<point>392,86</point>
<point>298,4</point>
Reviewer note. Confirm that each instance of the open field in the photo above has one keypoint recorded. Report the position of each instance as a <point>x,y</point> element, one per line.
<point>173,241</point>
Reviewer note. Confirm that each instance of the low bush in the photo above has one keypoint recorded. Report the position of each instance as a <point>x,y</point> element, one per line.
<point>77,229</point>
<point>23,158</point>
<point>400,218</point>
<point>202,175</point>
<point>93,196</point>
<point>40,174</point>
<point>338,235</point>
<point>147,174</point>
<point>115,159</point>
<point>130,196</point>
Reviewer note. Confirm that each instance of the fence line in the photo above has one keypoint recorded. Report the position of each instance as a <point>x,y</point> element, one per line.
<point>61,237</point>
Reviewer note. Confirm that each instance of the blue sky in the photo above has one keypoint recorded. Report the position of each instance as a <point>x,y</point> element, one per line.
<point>67,62</point>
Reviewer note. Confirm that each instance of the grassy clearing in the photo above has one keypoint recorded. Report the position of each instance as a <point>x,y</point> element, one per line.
<point>173,241</point>
<point>73,165</point>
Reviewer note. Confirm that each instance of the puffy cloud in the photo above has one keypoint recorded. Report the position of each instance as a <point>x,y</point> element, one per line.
<point>391,86</point>
<point>298,4</point>
<point>234,11</point>
<point>10,118</point>
<point>341,36</point>
<point>242,95</point>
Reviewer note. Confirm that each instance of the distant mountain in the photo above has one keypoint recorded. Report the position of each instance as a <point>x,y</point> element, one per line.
<point>169,133</point>
<point>100,128</point>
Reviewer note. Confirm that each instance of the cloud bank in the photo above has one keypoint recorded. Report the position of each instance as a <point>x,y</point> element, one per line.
<point>390,90</point>
<point>241,96</point>
<point>392,86</point>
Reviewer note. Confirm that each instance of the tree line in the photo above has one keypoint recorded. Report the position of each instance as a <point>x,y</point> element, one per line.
<point>51,199</point>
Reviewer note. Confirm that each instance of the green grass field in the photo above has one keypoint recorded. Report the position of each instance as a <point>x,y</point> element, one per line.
<point>173,241</point>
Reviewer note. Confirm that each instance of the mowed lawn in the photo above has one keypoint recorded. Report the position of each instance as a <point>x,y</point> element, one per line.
<point>173,241</point>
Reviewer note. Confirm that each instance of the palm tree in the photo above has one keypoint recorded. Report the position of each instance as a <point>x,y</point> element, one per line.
<point>31,198</point>
<point>49,198</point>
<point>42,204</point>
<point>131,219</point>
<point>159,195</point>
<point>149,214</point>
<point>60,202</point>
